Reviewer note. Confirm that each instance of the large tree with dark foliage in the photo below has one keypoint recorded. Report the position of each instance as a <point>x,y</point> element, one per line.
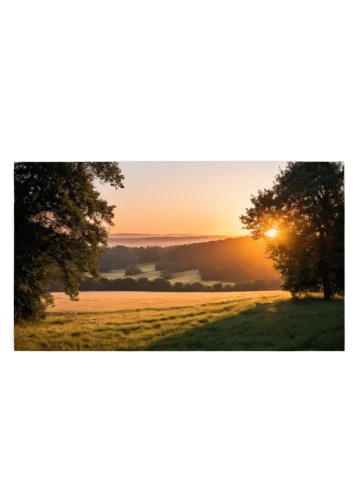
<point>60,224</point>
<point>306,207</point>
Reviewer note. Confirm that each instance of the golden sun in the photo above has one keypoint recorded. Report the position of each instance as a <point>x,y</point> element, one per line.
<point>271,233</point>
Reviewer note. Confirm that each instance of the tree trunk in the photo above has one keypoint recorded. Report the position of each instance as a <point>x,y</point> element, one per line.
<point>327,292</point>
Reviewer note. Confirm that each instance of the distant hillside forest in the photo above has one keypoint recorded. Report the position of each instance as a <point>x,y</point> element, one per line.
<point>240,261</point>
<point>234,259</point>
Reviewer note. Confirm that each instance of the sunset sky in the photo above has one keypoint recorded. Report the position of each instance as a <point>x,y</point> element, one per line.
<point>201,198</point>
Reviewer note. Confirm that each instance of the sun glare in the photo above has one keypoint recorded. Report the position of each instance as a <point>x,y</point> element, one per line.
<point>271,233</point>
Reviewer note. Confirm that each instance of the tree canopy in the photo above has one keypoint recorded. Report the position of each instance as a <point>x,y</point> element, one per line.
<point>60,224</point>
<point>132,270</point>
<point>305,208</point>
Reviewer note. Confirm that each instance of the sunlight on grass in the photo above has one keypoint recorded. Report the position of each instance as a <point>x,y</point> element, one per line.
<point>252,323</point>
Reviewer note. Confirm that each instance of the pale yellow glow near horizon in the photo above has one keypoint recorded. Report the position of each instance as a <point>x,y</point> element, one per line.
<point>271,233</point>
<point>201,198</point>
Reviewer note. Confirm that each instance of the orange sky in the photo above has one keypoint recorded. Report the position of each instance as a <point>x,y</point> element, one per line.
<point>187,197</point>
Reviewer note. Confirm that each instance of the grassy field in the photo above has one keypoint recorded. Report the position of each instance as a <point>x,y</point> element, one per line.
<point>249,321</point>
<point>119,301</point>
<point>150,273</point>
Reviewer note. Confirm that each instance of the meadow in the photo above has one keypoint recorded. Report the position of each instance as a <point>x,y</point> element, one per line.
<point>247,321</point>
<point>151,273</point>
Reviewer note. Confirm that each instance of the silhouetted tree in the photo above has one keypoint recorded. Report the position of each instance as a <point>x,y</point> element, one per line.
<point>306,206</point>
<point>60,223</point>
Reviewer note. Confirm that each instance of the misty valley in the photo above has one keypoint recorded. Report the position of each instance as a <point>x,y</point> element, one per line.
<point>235,264</point>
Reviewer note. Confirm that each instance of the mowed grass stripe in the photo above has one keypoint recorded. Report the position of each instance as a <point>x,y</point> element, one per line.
<point>256,323</point>
<point>146,318</point>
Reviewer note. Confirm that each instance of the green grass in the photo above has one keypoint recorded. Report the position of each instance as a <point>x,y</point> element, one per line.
<point>247,324</point>
<point>150,272</point>
<point>194,277</point>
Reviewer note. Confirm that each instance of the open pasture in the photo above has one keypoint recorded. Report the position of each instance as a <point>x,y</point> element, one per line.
<point>149,271</point>
<point>253,321</point>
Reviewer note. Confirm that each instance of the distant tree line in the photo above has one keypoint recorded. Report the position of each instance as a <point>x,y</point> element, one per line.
<point>163,285</point>
<point>121,257</point>
<point>234,259</point>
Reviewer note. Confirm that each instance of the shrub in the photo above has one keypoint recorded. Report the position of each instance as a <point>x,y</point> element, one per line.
<point>132,270</point>
<point>167,275</point>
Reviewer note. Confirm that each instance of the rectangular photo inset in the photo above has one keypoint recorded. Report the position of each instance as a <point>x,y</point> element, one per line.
<point>179,256</point>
